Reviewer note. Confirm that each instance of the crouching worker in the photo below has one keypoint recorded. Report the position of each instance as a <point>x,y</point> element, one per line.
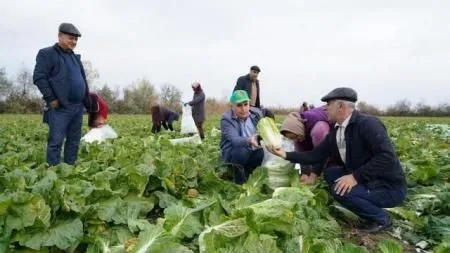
<point>307,129</point>
<point>239,144</point>
<point>369,176</point>
<point>164,117</point>
<point>98,111</point>
<point>99,130</point>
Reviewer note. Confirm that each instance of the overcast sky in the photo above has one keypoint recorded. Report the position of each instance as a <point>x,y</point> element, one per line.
<point>386,50</point>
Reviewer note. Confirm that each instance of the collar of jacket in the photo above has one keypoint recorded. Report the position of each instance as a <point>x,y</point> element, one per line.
<point>61,50</point>
<point>248,78</point>
<point>353,118</point>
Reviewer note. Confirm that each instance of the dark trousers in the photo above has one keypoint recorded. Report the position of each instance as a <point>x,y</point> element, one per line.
<point>167,126</point>
<point>367,204</point>
<point>201,132</point>
<point>244,161</point>
<point>64,122</point>
<point>156,127</point>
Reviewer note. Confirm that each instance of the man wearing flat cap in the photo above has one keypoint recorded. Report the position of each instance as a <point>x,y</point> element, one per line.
<point>60,77</point>
<point>369,176</point>
<point>250,84</point>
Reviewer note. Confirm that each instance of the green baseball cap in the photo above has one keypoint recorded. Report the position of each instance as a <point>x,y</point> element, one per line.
<point>239,96</point>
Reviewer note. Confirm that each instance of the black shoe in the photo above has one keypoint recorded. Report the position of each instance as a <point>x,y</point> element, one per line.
<point>373,227</point>
<point>363,224</point>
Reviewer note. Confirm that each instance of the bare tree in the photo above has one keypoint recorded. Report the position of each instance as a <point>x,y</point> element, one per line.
<point>108,94</point>
<point>5,84</point>
<point>170,96</point>
<point>91,73</point>
<point>423,109</point>
<point>140,97</point>
<point>364,107</point>
<point>401,108</point>
<point>25,82</point>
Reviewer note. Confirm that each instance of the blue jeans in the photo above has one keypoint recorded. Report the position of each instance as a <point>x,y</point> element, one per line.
<point>247,160</point>
<point>64,122</point>
<point>367,204</point>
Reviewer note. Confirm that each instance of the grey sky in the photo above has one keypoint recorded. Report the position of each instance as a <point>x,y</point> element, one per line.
<point>386,50</point>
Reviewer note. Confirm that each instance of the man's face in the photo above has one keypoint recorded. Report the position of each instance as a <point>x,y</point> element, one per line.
<point>67,41</point>
<point>241,110</point>
<point>333,109</point>
<point>253,74</point>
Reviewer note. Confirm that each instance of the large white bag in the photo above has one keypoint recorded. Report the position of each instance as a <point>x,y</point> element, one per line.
<point>187,122</point>
<point>278,169</point>
<point>195,139</point>
<point>99,134</point>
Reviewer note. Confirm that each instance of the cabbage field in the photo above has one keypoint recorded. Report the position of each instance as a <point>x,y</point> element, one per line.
<point>139,193</point>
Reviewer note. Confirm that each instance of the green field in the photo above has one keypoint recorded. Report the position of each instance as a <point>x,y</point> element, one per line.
<point>138,193</point>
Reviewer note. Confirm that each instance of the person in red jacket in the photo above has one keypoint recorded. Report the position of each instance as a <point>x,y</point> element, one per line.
<point>98,114</point>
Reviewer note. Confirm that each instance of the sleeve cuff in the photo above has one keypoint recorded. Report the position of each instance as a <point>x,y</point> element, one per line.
<point>289,156</point>
<point>357,176</point>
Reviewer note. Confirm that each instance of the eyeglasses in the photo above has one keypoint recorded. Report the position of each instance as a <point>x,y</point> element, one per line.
<point>242,104</point>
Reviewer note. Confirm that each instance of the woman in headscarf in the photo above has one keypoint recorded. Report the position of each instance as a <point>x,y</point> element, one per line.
<point>198,107</point>
<point>307,129</point>
<point>98,113</point>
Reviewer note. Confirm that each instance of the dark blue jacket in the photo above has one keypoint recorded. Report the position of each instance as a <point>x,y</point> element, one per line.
<point>231,132</point>
<point>370,154</point>
<point>244,83</point>
<point>52,77</point>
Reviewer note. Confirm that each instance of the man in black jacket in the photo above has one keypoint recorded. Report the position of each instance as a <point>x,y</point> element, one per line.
<point>61,79</point>
<point>250,84</point>
<point>369,177</point>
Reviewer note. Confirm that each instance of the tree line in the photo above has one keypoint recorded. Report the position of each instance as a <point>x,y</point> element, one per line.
<point>20,95</point>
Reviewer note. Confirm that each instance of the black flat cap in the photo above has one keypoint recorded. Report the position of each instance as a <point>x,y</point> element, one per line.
<point>342,93</point>
<point>70,29</point>
<point>255,68</point>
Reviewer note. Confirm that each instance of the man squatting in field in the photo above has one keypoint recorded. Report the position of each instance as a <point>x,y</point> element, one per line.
<point>369,176</point>
<point>60,77</point>
<point>239,142</point>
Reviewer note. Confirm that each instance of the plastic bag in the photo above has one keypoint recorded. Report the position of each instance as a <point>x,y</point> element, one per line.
<point>187,122</point>
<point>280,171</point>
<point>192,139</point>
<point>99,134</point>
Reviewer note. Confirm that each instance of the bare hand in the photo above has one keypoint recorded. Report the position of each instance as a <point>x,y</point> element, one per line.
<point>253,141</point>
<point>277,151</point>
<point>345,184</point>
<point>304,178</point>
<point>311,179</point>
<point>54,104</point>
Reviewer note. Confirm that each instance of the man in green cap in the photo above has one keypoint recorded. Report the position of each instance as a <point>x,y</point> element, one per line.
<point>239,143</point>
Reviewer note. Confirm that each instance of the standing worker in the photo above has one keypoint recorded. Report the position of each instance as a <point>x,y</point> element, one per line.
<point>250,84</point>
<point>60,77</point>
<point>198,107</point>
